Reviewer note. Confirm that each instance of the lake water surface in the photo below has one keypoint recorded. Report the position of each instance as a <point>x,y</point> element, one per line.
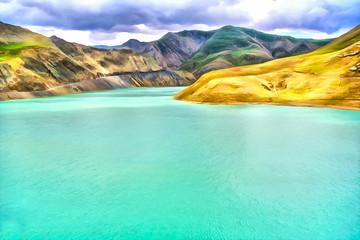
<point>136,164</point>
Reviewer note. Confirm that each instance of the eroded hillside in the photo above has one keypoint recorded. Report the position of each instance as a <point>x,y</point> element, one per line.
<point>32,62</point>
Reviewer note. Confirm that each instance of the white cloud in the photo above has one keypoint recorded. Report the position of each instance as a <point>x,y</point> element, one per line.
<point>94,38</point>
<point>112,38</point>
<point>122,37</point>
<point>308,33</point>
<point>69,35</point>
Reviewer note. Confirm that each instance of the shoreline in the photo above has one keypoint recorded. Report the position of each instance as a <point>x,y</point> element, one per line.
<point>273,104</point>
<point>69,94</point>
<point>47,95</point>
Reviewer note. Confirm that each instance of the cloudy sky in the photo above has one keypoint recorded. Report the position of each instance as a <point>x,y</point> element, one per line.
<point>113,22</point>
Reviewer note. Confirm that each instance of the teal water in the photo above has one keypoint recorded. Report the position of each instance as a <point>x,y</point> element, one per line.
<point>136,164</point>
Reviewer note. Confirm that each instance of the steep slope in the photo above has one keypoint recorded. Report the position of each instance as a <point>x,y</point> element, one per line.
<point>329,77</point>
<point>200,51</point>
<point>32,62</point>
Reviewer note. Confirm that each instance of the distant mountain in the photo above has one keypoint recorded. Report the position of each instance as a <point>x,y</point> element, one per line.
<point>203,51</point>
<point>329,76</point>
<point>133,44</point>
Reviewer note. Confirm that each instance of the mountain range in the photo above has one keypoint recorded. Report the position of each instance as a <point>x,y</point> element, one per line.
<point>329,76</point>
<point>200,52</point>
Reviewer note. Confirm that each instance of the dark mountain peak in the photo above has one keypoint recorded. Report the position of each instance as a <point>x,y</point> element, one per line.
<point>56,38</point>
<point>229,28</point>
<point>196,34</point>
<point>132,40</point>
<point>169,35</point>
<point>133,44</point>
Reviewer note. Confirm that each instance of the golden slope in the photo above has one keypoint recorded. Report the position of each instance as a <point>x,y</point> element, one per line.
<point>329,76</point>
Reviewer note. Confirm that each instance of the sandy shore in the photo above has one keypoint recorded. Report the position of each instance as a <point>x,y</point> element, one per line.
<point>276,104</point>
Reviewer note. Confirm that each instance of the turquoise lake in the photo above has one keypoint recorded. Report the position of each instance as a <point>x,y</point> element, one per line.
<point>136,164</point>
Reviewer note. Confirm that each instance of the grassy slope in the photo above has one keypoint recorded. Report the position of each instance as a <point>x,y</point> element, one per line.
<point>12,50</point>
<point>322,77</point>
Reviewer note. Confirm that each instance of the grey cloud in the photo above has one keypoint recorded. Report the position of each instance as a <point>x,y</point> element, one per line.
<point>99,36</point>
<point>115,16</point>
<point>324,17</point>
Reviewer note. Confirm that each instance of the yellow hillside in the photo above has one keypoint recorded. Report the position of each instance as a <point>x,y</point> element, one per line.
<point>329,76</point>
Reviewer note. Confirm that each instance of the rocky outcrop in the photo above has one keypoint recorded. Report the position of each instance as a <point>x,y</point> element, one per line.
<point>131,80</point>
